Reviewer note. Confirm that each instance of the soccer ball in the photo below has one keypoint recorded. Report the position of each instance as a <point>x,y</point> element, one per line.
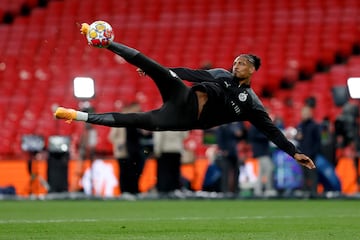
<point>100,34</point>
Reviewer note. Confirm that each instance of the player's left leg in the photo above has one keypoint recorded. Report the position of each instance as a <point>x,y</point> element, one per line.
<point>168,83</point>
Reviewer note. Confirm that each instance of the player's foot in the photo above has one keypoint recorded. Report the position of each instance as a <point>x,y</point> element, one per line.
<point>84,28</point>
<point>67,114</point>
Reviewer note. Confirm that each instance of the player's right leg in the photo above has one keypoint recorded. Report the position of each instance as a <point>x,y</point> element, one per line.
<point>168,117</point>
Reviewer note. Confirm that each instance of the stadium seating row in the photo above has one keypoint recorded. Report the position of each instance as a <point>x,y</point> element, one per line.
<point>42,53</point>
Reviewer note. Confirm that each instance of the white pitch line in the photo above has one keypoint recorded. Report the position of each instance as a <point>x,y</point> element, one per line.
<point>47,221</point>
<point>32,221</point>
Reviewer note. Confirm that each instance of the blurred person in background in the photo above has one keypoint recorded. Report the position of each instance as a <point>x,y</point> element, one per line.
<point>260,145</point>
<point>89,136</point>
<point>86,147</point>
<point>309,140</point>
<point>227,138</point>
<point>88,142</point>
<point>328,141</point>
<point>345,124</point>
<point>168,150</point>
<point>129,152</point>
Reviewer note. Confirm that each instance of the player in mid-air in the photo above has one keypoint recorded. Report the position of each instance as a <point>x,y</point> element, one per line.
<point>217,97</point>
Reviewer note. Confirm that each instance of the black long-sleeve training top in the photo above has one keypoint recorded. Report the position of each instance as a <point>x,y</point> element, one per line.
<point>229,102</point>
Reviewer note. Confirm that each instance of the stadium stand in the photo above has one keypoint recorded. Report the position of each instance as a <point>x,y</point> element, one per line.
<point>41,53</point>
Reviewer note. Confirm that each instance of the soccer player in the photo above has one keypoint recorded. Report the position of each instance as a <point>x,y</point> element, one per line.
<point>217,97</point>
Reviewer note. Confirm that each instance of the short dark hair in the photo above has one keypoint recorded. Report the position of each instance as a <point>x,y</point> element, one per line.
<point>253,59</point>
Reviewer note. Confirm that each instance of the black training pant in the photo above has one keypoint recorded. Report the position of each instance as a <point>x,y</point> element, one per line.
<point>179,109</point>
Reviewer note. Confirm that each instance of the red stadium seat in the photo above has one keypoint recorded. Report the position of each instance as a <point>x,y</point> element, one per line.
<point>186,34</point>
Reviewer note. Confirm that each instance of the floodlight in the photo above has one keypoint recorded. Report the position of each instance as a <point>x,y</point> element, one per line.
<point>84,87</point>
<point>353,84</point>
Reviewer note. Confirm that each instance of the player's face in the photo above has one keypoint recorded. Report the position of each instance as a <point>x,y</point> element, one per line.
<point>242,68</point>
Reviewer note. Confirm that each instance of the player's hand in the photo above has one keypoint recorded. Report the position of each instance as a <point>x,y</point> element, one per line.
<point>304,160</point>
<point>84,28</point>
<point>140,72</point>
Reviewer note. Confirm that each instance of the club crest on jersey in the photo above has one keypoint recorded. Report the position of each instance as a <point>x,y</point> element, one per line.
<point>243,96</point>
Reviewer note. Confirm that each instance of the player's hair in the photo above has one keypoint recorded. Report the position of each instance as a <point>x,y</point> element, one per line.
<point>253,59</point>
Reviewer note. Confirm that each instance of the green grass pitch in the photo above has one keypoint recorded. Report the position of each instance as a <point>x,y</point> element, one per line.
<point>180,219</point>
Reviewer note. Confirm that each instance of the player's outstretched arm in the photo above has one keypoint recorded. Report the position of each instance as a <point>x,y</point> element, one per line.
<point>304,160</point>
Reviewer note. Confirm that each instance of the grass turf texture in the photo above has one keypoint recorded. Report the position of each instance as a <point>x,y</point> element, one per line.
<point>177,219</point>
